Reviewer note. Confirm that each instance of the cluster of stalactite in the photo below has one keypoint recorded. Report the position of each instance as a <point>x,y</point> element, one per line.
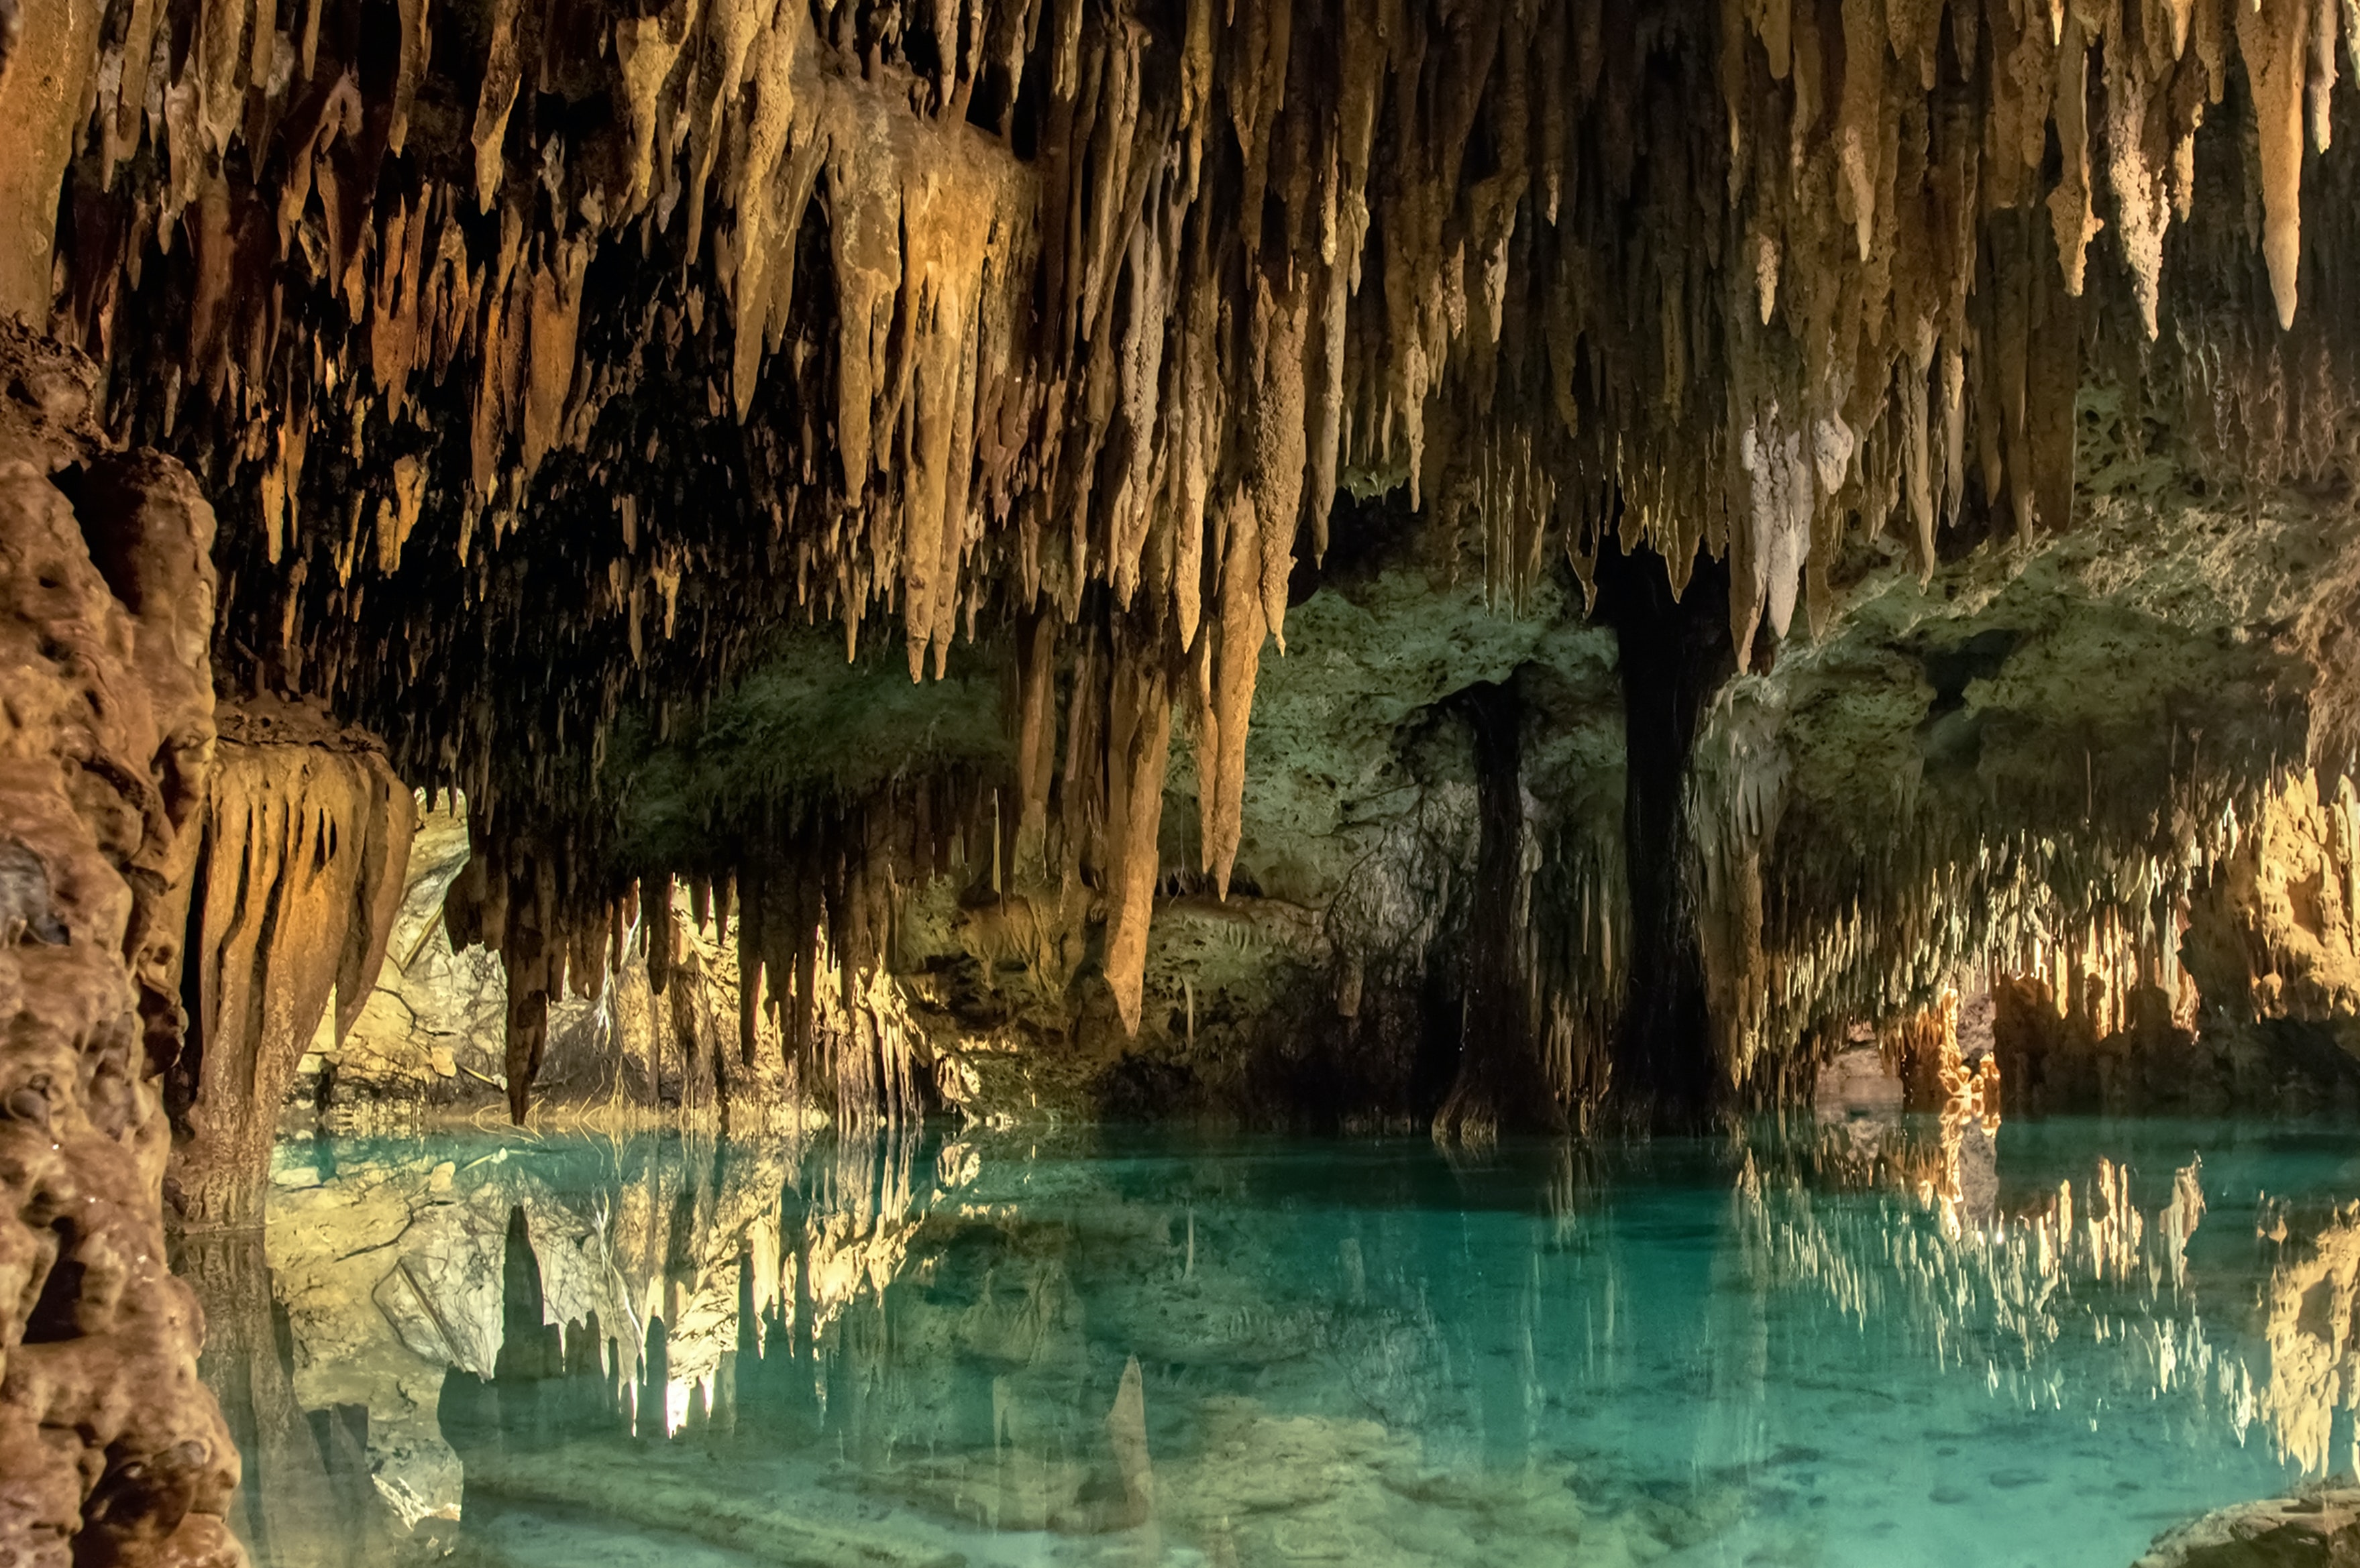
<point>809,890</point>
<point>2015,1269</point>
<point>819,873</point>
<point>307,837</point>
<point>614,335</point>
<point>1806,930</point>
<point>815,920</point>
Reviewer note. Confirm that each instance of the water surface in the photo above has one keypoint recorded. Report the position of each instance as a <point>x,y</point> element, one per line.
<point>1877,1343</point>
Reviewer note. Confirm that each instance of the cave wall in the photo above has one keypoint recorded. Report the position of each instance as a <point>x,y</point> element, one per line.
<point>545,360</point>
<point>1302,998</point>
<point>2040,767</point>
<point>110,1449</point>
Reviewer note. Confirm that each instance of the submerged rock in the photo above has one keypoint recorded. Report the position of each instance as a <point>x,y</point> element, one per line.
<point>2313,1529</point>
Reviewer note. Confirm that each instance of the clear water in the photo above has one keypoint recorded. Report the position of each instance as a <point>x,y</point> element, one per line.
<point>1859,1344</point>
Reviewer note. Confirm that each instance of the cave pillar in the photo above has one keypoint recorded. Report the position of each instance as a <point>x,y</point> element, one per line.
<point>111,1449</point>
<point>1503,1083</point>
<point>307,836</point>
<point>46,77</point>
<point>1672,651</point>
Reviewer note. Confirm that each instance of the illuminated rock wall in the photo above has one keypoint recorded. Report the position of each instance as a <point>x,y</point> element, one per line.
<point>110,1449</point>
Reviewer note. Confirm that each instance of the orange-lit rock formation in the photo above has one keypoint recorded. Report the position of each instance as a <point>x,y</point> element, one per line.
<point>110,1449</point>
<point>306,840</point>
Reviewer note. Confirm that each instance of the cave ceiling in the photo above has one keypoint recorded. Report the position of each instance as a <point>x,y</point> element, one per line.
<point>579,380</point>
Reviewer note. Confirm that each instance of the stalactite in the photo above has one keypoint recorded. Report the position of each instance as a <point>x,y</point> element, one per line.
<point>2092,908</point>
<point>307,838</point>
<point>1139,738</point>
<point>2274,40</point>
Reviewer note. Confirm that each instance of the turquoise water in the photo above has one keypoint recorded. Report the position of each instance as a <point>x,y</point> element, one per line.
<point>1862,1344</point>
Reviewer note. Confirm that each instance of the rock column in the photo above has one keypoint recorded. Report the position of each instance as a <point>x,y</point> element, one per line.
<point>307,854</point>
<point>110,1450</point>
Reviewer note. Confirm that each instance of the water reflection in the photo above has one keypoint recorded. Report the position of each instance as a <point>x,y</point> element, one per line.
<point>1868,1338</point>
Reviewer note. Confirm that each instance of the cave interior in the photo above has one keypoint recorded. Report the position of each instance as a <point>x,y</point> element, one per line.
<point>1521,580</point>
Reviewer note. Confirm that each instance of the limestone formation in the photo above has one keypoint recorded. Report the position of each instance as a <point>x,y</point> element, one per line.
<point>110,1449</point>
<point>2321,1528</point>
<point>1213,411</point>
<point>307,850</point>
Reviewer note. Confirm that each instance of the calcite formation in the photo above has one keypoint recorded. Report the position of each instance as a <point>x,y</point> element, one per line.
<point>110,1449</point>
<point>618,335</point>
<point>307,837</point>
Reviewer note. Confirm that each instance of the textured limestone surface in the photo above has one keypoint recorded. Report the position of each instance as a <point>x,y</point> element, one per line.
<point>2318,1530</point>
<point>307,853</point>
<point>435,1019</point>
<point>1946,410</point>
<point>110,1449</point>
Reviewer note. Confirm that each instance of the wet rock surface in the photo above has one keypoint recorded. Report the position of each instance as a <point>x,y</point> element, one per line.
<point>2316,1530</point>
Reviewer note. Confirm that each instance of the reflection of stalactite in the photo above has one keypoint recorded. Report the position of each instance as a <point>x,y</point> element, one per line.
<point>755,1269</point>
<point>2012,1285</point>
<point>307,1495</point>
<point>307,854</point>
<point>2314,1306</point>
